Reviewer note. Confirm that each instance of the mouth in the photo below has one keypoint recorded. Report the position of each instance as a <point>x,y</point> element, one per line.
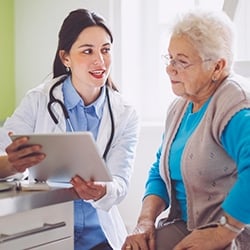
<point>98,74</point>
<point>174,82</point>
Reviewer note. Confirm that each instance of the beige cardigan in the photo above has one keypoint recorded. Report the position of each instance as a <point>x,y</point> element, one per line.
<point>206,167</point>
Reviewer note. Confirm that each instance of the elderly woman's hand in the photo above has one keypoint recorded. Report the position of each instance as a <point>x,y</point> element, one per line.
<point>22,156</point>
<point>208,239</point>
<point>143,237</point>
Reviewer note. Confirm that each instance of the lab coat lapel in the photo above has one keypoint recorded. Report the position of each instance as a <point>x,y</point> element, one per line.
<point>104,130</point>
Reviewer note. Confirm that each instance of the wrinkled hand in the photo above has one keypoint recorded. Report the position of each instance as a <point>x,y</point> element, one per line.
<point>208,239</point>
<point>21,157</point>
<point>143,237</point>
<point>88,190</point>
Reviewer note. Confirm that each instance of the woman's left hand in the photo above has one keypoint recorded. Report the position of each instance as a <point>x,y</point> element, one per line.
<point>213,238</point>
<point>88,190</point>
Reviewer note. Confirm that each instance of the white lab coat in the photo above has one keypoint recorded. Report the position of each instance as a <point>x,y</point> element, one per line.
<point>32,116</point>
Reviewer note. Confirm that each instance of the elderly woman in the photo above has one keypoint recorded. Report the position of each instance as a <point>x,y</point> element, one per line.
<point>202,169</point>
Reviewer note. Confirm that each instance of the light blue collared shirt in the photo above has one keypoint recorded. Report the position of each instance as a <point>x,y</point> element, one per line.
<point>87,229</point>
<point>82,117</point>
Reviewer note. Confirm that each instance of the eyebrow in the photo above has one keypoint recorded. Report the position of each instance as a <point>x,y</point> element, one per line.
<point>183,55</point>
<point>91,45</point>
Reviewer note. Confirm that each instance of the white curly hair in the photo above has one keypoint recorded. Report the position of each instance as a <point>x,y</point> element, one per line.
<point>211,32</point>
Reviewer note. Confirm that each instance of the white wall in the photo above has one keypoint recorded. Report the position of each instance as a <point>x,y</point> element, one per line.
<point>242,23</point>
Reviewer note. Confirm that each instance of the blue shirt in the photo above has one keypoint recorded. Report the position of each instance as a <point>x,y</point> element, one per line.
<point>188,125</point>
<point>87,229</point>
<point>235,140</point>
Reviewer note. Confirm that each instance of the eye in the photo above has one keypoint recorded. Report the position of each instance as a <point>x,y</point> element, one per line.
<point>87,51</point>
<point>182,61</point>
<point>106,50</point>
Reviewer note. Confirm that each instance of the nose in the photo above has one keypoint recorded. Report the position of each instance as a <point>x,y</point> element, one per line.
<point>171,70</point>
<point>98,60</point>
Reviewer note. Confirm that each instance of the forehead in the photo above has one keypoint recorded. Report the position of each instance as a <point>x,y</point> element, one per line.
<point>93,35</point>
<point>181,45</point>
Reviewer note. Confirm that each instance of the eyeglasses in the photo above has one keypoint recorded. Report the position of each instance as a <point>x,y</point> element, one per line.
<point>177,63</point>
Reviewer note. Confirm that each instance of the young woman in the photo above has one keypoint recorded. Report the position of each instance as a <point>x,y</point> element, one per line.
<point>82,97</point>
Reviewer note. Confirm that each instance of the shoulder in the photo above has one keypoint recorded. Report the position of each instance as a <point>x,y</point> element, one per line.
<point>118,101</point>
<point>235,88</point>
<point>122,108</point>
<point>45,86</point>
<point>117,98</point>
<point>230,98</point>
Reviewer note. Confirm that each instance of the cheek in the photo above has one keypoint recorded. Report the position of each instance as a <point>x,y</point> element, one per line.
<point>108,61</point>
<point>78,61</point>
<point>191,82</point>
<point>80,66</point>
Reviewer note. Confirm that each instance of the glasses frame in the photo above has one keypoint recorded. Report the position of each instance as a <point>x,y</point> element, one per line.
<point>177,64</point>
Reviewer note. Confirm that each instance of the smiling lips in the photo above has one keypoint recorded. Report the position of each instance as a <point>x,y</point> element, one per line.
<point>97,73</point>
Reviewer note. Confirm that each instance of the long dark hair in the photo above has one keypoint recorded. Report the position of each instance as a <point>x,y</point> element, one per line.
<point>72,26</point>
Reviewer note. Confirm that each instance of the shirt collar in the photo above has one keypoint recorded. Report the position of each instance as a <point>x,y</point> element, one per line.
<point>72,98</point>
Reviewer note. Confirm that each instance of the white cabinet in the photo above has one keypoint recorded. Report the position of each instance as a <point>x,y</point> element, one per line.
<point>49,227</point>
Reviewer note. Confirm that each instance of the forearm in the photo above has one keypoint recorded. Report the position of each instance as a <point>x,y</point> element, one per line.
<point>151,208</point>
<point>143,236</point>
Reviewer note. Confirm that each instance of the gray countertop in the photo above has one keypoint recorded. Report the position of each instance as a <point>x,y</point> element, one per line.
<point>14,201</point>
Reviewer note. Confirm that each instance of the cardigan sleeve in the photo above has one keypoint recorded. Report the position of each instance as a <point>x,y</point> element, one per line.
<point>155,185</point>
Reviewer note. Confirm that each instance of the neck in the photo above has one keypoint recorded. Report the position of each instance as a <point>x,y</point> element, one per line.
<point>213,86</point>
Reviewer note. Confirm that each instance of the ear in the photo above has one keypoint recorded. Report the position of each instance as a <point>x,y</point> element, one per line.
<point>64,56</point>
<point>219,68</point>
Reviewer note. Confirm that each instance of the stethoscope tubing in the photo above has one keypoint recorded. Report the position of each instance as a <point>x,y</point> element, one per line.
<point>53,100</point>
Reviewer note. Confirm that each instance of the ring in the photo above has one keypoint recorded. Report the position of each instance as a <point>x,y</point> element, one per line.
<point>128,247</point>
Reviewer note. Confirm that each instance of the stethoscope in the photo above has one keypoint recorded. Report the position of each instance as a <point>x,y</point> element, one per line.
<point>53,100</point>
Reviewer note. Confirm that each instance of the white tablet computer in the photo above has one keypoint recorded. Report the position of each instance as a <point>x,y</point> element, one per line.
<point>68,154</point>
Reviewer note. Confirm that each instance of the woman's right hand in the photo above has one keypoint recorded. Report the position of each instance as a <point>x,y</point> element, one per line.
<point>143,237</point>
<point>21,155</point>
